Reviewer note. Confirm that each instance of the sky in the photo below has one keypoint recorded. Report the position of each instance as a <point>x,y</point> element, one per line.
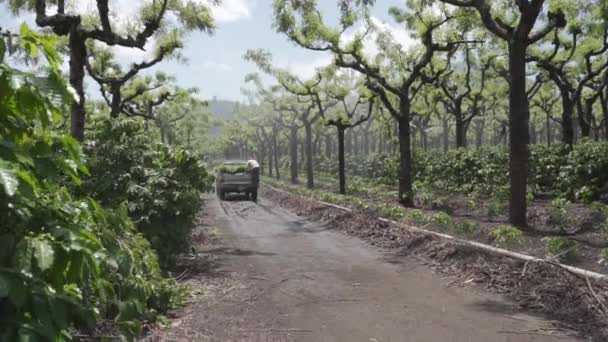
<point>215,63</point>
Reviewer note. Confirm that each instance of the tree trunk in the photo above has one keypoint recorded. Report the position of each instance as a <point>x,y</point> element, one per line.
<point>446,135</point>
<point>518,134</point>
<point>406,196</point>
<point>366,142</point>
<point>548,128</point>
<point>310,180</point>
<point>567,113</point>
<point>78,56</point>
<point>294,154</point>
<point>583,122</point>
<point>302,163</point>
<point>604,102</point>
<point>270,159</point>
<point>341,162</point>
<point>116,100</point>
<point>460,130</point>
<point>275,149</point>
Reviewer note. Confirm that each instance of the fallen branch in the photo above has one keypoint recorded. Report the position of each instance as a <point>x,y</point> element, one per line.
<point>599,301</point>
<point>472,244</point>
<point>523,272</point>
<point>182,275</point>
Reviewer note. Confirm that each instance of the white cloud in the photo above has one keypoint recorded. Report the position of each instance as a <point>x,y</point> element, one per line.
<point>124,10</point>
<point>397,34</point>
<point>216,66</point>
<point>232,10</point>
<point>129,55</point>
<point>306,69</point>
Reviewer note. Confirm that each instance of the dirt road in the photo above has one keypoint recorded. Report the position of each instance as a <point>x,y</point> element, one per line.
<point>305,282</point>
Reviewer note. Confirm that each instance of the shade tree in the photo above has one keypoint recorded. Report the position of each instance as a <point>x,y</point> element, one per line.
<point>111,78</point>
<point>355,107</point>
<point>395,73</point>
<point>79,27</point>
<point>514,23</point>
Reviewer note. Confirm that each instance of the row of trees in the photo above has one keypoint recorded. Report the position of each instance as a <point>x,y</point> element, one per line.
<point>549,57</point>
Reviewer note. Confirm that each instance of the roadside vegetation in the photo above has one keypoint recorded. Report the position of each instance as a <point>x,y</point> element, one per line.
<point>92,218</point>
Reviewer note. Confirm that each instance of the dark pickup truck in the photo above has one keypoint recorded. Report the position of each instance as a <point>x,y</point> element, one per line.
<point>236,177</point>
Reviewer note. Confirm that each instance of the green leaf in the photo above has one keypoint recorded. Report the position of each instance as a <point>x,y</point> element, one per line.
<point>9,181</point>
<point>27,336</point>
<point>44,253</point>
<point>28,179</point>
<point>23,255</point>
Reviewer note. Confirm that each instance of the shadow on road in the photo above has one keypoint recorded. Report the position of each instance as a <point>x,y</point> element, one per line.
<point>236,198</point>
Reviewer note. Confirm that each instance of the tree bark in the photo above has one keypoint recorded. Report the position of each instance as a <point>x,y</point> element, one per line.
<point>583,122</point>
<point>461,135</point>
<point>116,100</point>
<point>604,102</point>
<point>518,133</point>
<point>460,132</point>
<point>275,149</point>
<point>406,195</point>
<point>567,123</point>
<point>341,162</point>
<point>310,178</point>
<point>294,154</point>
<point>77,66</point>
<point>270,159</point>
<point>548,128</point>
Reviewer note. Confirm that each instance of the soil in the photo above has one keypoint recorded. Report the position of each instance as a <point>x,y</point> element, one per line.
<point>263,273</point>
<point>541,287</point>
<point>591,223</point>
